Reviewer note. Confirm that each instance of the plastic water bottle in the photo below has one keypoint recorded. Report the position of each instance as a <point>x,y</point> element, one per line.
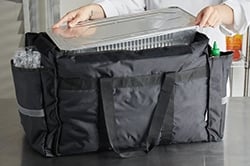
<point>36,59</point>
<point>27,58</point>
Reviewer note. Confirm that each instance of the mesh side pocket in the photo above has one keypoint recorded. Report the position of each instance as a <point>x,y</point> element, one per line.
<point>29,97</point>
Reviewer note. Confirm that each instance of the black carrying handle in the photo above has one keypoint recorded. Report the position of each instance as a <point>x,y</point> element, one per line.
<point>156,123</point>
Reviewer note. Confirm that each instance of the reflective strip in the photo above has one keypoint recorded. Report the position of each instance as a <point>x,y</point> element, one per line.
<point>206,116</point>
<point>31,112</point>
<point>224,100</point>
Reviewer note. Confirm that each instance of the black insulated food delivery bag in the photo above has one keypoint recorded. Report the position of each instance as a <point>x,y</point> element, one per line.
<point>78,103</point>
<point>125,100</point>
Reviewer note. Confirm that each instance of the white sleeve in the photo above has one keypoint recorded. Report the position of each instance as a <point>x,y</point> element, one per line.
<point>121,7</point>
<point>241,9</point>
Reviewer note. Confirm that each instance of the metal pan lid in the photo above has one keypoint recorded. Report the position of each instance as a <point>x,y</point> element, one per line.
<point>92,34</point>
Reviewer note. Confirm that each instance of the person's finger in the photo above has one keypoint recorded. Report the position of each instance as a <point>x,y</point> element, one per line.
<point>198,17</point>
<point>206,25</point>
<point>67,18</point>
<point>61,22</point>
<point>217,23</point>
<point>81,16</point>
<point>74,21</point>
<point>77,19</point>
<point>212,20</point>
<point>205,16</point>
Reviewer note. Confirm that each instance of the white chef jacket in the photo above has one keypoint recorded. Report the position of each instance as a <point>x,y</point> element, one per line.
<point>241,10</point>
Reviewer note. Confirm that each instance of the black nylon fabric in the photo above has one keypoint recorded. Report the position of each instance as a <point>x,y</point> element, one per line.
<point>79,113</point>
<point>29,96</point>
<point>186,121</point>
<point>32,83</point>
<point>71,97</point>
<point>42,132</point>
<point>219,71</point>
<point>154,125</point>
<point>134,105</point>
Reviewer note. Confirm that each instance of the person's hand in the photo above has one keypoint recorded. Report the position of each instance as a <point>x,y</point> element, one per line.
<point>213,16</point>
<point>84,13</point>
<point>75,32</point>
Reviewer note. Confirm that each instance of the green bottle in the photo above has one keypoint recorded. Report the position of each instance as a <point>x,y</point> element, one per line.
<point>215,50</point>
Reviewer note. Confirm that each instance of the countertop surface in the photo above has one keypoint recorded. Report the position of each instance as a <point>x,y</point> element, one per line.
<point>234,150</point>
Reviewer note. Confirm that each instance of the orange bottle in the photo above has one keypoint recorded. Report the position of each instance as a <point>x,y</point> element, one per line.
<point>234,43</point>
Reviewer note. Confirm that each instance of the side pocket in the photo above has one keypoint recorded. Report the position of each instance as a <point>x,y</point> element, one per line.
<point>134,108</point>
<point>28,86</point>
<point>78,107</point>
<point>219,71</point>
<point>185,120</point>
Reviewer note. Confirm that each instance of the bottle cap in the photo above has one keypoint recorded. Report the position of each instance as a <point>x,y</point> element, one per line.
<point>215,50</point>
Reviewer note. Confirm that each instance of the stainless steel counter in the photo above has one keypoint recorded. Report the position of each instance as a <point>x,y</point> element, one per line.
<point>234,150</point>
